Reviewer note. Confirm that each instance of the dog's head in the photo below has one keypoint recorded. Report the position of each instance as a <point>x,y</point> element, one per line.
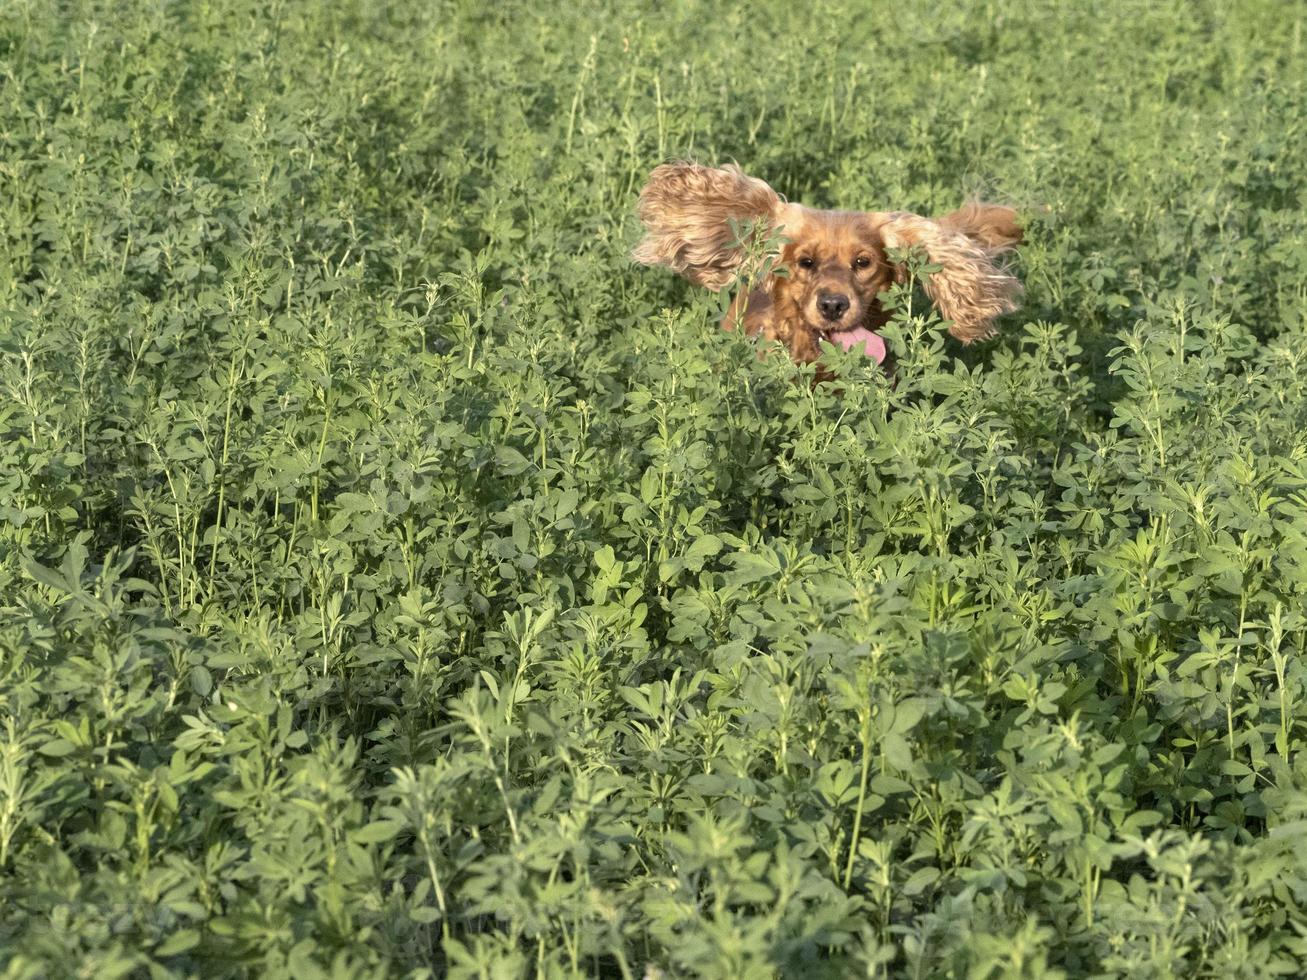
<point>834,264</point>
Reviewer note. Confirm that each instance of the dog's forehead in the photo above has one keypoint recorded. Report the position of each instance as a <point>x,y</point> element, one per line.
<point>838,231</point>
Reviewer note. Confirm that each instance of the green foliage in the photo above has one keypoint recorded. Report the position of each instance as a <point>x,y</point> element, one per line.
<point>396,581</point>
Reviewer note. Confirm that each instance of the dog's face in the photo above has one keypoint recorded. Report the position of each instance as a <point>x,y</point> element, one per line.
<point>835,263</point>
<point>835,268</point>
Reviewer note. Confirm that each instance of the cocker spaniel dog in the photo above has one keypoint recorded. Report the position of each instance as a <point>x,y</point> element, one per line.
<point>835,263</point>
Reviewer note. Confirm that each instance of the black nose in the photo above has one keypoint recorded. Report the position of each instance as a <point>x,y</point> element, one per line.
<point>832,305</point>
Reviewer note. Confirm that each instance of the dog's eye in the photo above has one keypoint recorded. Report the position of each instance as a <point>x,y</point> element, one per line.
<point>861,262</point>
<point>806,262</point>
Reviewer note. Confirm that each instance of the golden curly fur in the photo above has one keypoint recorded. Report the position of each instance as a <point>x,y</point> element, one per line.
<point>836,262</point>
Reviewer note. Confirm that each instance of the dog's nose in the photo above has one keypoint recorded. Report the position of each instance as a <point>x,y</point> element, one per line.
<point>832,305</point>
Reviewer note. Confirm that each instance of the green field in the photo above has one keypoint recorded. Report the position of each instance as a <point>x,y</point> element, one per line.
<point>395,580</point>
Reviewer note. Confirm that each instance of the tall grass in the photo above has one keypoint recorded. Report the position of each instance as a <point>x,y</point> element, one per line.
<point>394,580</point>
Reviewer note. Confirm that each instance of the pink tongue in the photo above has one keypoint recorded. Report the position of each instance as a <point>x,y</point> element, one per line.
<point>860,338</point>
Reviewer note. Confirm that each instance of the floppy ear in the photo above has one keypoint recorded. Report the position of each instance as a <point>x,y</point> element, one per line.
<point>687,210</point>
<point>992,225</point>
<point>969,289</point>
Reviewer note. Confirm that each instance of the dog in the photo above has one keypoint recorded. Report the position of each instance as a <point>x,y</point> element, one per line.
<point>834,265</point>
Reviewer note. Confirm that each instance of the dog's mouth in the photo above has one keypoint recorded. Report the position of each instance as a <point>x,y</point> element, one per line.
<point>858,339</point>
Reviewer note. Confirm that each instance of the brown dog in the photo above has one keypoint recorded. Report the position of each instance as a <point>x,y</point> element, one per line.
<point>837,261</point>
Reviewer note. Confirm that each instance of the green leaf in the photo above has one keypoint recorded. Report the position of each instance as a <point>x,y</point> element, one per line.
<point>179,942</point>
<point>920,880</point>
<point>896,750</point>
<point>750,568</point>
<point>57,748</point>
<point>703,547</point>
<point>510,461</point>
<point>377,832</point>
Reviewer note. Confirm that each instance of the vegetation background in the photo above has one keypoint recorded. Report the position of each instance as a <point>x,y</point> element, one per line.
<point>394,580</point>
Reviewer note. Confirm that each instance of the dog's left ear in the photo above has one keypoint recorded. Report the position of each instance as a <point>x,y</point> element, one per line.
<point>992,225</point>
<point>970,289</point>
<point>687,210</point>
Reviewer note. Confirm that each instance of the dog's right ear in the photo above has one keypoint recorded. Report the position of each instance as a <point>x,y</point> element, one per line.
<point>687,210</point>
